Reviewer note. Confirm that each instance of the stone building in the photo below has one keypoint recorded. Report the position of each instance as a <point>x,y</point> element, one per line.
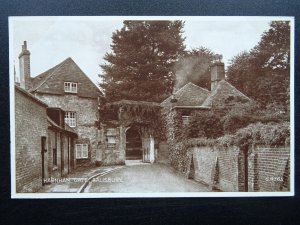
<point>44,144</point>
<point>129,131</point>
<point>65,86</point>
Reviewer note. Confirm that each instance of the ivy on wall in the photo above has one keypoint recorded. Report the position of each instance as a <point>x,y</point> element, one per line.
<point>248,126</point>
<point>144,116</point>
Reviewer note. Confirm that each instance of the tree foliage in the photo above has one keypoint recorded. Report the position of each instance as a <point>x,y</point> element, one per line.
<point>225,120</point>
<point>263,73</point>
<point>140,66</point>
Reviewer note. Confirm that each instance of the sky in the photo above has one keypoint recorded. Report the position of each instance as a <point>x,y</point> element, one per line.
<point>86,39</point>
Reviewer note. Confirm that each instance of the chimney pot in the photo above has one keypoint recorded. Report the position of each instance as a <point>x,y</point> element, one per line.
<point>24,46</point>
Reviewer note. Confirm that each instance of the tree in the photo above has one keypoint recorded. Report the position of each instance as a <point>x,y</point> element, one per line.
<point>239,73</point>
<point>193,67</point>
<point>264,73</point>
<point>140,66</point>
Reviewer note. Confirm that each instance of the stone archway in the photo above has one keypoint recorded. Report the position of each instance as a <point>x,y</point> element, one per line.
<point>137,122</point>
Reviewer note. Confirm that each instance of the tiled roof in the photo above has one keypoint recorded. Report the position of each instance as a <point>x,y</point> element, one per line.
<point>189,95</point>
<point>221,93</point>
<point>39,80</point>
<point>29,95</point>
<point>67,128</point>
<point>52,81</point>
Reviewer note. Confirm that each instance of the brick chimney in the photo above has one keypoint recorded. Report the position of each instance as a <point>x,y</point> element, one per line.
<point>24,62</point>
<point>217,72</point>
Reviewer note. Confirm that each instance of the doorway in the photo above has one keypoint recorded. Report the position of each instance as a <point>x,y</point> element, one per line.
<point>43,151</point>
<point>134,149</point>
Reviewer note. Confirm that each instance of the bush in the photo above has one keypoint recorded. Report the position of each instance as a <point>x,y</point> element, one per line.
<point>272,134</point>
<point>266,134</point>
<point>231,123</point>
<point>205,124</point>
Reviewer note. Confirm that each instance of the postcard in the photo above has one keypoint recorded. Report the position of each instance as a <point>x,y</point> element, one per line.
<point>120,107</point>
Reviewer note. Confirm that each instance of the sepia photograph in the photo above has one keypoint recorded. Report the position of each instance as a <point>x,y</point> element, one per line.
<point>108,107</point>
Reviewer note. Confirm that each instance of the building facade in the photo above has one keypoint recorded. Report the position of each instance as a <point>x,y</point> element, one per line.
<point>44,148</point>
<point>65,86</point>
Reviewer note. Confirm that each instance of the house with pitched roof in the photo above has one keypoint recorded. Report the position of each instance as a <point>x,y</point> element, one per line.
<point>67,87</point>
<point>192,97</point>
<point>178,108</point>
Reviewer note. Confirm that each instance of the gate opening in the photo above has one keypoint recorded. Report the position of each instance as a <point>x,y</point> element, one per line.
<point>134,149</point>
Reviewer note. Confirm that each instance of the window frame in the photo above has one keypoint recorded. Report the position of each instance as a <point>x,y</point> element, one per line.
<point>84,152</point>
<point>70,87</point>
<point>71,121</point>
<point>185,120</point>
<point>111,134</point>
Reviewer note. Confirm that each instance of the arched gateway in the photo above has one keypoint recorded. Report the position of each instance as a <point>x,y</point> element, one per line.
<point>129,131</point>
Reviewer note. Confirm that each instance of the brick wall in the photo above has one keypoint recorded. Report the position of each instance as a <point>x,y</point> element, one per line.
<point>230,169</point>
<point>228,163</point>
<point>216,167</point>
<point>86,115</point>
<point>29,116</point>
<point>269,168</point>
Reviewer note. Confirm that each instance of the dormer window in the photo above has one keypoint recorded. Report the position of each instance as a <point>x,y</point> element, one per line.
<point>70,87</point>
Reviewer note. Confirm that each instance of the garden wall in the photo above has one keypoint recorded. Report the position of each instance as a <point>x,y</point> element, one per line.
<point>229,169</point>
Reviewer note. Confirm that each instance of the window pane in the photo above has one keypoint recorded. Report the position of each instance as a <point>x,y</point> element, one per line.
<point>78,151</point>
<point>67,86</point>
<point>70,87</point>
<point>111,140</point>
<point>111,131</point>
<point>70,119</point>
<point>74,87</point>
<point>84,151</point>
<point>185,120</point>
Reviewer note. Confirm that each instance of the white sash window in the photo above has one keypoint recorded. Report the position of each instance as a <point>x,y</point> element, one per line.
<point>70,119</point>
<point>82,151</point>
<point>70,87</point>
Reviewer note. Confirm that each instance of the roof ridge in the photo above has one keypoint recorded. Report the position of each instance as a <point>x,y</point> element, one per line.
<point>86,76</point>
<point>50,75</point>
<point>189,83</point>
<point>224,81</point>
<point>199,87</point>
<point>215,91</point>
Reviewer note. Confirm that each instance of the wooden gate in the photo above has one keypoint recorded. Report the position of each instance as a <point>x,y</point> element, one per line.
<point>148,149</point>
